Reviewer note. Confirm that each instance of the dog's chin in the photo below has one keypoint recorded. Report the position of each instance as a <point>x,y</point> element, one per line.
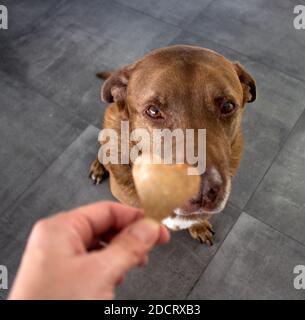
<point>191,208</point>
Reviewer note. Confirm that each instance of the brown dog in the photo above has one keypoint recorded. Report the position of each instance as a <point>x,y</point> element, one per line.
<point>182,87</point>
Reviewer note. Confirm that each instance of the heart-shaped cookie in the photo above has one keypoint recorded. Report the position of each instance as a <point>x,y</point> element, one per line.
<point>163,187</point>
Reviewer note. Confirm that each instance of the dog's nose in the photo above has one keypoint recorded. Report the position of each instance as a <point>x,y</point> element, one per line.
<point>211,183</point>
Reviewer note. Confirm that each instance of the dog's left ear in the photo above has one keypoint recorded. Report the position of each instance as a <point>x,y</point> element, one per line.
<point>114,88</point>
<point>247,82</point>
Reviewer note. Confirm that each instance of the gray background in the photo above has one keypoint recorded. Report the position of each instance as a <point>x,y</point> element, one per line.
<point>50,112</point>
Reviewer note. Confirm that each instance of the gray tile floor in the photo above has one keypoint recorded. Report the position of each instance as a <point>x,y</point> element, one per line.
<point>50,112</point>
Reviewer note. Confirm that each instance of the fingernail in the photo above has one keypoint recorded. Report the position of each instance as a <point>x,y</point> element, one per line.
<point>146,230</point>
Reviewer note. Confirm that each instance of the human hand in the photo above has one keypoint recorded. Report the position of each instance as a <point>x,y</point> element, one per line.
<point>63,259</point>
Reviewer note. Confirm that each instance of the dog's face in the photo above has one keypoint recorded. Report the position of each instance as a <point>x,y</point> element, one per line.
<point>189,87</point>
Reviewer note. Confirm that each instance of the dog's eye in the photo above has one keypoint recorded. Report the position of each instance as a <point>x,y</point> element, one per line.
<point>154,112</point>
<point>227,108</point>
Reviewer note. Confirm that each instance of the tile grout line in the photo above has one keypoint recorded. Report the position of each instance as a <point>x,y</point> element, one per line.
<point>222,243</point>
<point>248,58</point>
<point>212,258</point>
<point>181,29</point>
<point>33,25</point>
<point>11,205</point>
<point>281,148</point>
<point>161,19</point>
<point>75,116</point>
<point>39,92</point>
<point>243,209</point>
<point>234,50</point>
<point>234,206</point>
<point>274,229</point>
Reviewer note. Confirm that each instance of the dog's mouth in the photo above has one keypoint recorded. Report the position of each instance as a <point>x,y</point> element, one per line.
<point>194,207</point>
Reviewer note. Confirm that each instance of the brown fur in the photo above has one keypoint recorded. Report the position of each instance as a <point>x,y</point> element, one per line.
<point>188,82</point>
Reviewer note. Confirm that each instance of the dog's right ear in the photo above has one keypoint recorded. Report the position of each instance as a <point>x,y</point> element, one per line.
<point>115,87</point>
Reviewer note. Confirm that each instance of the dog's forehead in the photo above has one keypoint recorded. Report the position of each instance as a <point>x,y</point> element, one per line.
<point>183,68</point>
<point>182,51</point>
<point>183,57</point>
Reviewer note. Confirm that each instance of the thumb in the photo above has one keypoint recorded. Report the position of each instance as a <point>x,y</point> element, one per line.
<point>129,247</point>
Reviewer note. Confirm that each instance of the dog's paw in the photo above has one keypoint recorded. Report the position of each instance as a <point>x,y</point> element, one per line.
<point>97,172</point>
<point>202,232</point>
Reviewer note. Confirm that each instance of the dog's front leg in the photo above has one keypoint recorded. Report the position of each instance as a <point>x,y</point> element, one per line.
<point>202,231</point>
<point>97,172</point>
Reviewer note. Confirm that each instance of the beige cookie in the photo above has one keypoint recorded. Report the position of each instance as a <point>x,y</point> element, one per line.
<point>163,187</point>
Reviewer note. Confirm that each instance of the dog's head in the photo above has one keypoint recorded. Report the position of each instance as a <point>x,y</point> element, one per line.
<point>189,87</point>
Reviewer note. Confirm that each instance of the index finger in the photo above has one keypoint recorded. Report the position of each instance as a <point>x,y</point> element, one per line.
<point>93,220</point>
